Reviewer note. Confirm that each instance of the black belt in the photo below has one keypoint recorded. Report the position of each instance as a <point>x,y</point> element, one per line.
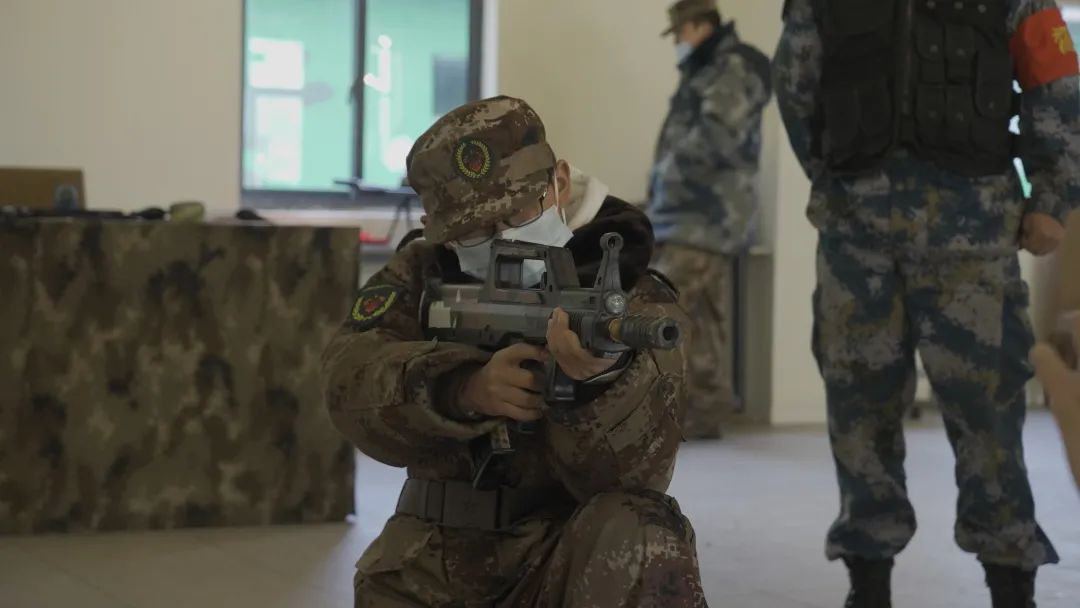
<point>456,504</point>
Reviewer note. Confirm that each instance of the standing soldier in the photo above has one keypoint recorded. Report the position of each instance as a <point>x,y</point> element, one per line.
<point>702,192</point>
<point>900,113</point>
<point>577,515</point>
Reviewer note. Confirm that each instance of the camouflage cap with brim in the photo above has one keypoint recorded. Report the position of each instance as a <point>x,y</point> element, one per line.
<point>479,164</point>
<point>685,10</point>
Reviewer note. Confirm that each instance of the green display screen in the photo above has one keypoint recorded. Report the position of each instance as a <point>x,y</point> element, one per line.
<point>300,72</point>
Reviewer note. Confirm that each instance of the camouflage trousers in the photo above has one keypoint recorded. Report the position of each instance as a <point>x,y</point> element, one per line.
<point>704,282</point>
<point>966,313</point>
<point>618,549</point>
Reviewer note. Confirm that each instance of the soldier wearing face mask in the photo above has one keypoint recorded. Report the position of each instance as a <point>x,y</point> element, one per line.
<point>584,493</point>
<point>702,191</point>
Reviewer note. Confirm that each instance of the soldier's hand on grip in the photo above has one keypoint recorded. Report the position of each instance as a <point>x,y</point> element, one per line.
<point>503,389</point>
<point>1041,234</point>
<point>565,346</point>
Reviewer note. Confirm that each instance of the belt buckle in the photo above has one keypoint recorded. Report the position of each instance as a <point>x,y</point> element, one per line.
<point>477,508</point>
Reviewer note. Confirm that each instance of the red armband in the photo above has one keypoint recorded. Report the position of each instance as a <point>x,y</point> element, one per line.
<point>1043,49</point>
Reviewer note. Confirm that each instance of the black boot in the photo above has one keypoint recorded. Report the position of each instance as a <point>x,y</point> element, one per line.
<point>871,583</point>
<point>1010,587</point>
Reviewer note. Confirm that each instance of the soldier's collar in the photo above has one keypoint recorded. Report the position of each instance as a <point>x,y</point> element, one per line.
<point>705,52</point>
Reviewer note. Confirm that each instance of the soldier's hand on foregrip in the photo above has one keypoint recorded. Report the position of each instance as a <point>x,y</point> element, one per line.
<point>1042,234</point>
<point>1062,385</point>
<point>502,389</point>
<point>565,346</point>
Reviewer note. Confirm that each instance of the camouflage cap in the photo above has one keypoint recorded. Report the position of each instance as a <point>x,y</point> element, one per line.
<point>685,10</point>
<point>478,164</point>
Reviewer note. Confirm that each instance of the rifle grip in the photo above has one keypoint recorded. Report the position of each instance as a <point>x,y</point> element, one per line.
<point>559,388</point>
<point>539,370</point>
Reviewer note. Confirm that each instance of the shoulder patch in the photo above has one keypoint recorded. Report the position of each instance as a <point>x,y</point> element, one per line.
<point>372,304</point>
<point>666,282</point>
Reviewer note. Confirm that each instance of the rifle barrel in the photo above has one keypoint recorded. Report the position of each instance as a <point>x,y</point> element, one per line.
<point>637,331</point>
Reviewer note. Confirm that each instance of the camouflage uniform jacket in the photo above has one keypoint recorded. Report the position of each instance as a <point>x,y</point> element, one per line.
<point>392,393</point>
<point>702,191</point>
<point>1048,146</point>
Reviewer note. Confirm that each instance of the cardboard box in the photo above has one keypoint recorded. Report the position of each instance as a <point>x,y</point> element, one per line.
<point>1066,340</point>
<point>42,188</point>
<point>1068,265</point>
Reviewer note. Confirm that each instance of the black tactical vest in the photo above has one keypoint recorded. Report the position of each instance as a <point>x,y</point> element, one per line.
<point>933,76</point>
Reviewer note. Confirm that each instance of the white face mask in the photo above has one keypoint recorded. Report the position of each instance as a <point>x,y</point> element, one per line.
<point>549,229</point>
<point>682,51</point>
<point>474,260</point>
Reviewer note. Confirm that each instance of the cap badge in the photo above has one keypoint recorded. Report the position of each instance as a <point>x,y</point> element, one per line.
<point>473,159</point>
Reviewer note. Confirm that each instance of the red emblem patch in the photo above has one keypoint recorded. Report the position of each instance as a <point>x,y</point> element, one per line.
<point>1043,49</point>
<point>373,303</point>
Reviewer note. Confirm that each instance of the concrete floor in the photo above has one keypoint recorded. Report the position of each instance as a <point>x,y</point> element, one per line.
<point>760,502</point>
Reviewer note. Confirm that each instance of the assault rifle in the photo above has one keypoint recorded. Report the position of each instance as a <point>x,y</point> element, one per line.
<point>502,311</point>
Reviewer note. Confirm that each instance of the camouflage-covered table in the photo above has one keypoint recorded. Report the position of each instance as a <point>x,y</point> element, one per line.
<point>158,375</point>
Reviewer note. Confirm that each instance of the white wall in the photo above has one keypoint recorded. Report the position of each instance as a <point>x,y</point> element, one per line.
<point>600,76</point>
<point>143,95</point>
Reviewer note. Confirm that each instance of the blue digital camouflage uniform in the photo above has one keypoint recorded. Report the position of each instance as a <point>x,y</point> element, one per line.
<point>703,202</point>
<point>914,257</point>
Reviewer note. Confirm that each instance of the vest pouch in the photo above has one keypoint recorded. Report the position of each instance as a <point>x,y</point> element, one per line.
<point>930,44</point>
<point>993,100</point>
<point>959,112</point>
<point>930,114</point>
<point>854,17</point>
<point>960,52</point>
<point>987,15</point>
<point>993,86</point>
<point>992,140</point>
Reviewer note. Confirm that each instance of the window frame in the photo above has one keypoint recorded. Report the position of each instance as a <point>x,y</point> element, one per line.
<point>352,198</point>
